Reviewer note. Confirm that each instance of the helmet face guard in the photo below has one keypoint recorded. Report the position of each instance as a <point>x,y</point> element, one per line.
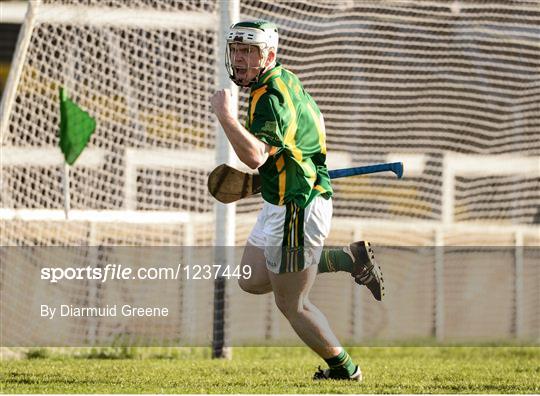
<point>258,36</point>
<point>233,67</point>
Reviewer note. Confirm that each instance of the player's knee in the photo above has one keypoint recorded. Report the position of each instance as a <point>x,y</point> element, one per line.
<point>246,285</point>
<point>250,287</point>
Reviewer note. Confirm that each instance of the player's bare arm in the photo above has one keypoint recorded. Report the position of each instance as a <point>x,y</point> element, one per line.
<point>251,151</point>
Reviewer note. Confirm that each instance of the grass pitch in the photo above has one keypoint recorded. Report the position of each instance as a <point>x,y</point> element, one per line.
<point>285,370</point>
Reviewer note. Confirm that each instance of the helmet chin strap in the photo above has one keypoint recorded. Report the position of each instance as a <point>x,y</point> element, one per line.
<point>249,83</point>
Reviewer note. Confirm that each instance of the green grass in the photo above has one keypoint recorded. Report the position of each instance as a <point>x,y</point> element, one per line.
<point>284,370</point>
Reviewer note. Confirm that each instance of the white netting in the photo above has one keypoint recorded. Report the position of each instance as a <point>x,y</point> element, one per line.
<point>389,77</point>
<point>423,78</point>
<point>184,5</point>
<point>420,79</point>
<point>147,89</point>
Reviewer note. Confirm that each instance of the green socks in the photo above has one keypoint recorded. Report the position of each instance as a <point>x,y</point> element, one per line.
<point>342,364</point>
<point>333,260</point>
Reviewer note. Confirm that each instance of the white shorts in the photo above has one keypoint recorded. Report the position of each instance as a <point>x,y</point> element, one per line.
<point>292,238</point>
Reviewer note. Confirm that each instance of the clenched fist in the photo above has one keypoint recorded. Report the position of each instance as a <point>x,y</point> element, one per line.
<point>221,103</point>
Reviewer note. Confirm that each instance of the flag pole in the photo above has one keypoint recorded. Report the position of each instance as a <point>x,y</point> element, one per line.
<point>67,195</point>
<point>76,127</point>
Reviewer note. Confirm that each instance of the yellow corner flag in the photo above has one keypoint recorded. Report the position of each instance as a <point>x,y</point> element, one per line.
<point>76,127</point>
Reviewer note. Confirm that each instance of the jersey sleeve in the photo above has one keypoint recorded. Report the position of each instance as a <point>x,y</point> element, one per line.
<point>267,121</point>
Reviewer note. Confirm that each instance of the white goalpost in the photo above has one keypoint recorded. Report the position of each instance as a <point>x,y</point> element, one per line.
<point>225,214</point>
<point>451,92</point>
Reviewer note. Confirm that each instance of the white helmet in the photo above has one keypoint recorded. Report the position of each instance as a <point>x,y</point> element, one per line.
<point>260,33</point>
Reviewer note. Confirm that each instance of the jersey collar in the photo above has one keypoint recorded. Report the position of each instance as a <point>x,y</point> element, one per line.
<point>268,76</point>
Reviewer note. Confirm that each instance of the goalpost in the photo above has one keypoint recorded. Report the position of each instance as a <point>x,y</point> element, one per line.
<point>449,88</point>
<point>225,214</point>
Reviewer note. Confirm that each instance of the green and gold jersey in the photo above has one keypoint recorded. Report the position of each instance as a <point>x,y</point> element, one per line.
<point>282,114</point>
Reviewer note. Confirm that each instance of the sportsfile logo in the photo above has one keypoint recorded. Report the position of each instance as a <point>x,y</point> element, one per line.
<point>109,272</point>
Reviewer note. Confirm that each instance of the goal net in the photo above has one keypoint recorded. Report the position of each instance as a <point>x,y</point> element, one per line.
<point>451,88</point>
